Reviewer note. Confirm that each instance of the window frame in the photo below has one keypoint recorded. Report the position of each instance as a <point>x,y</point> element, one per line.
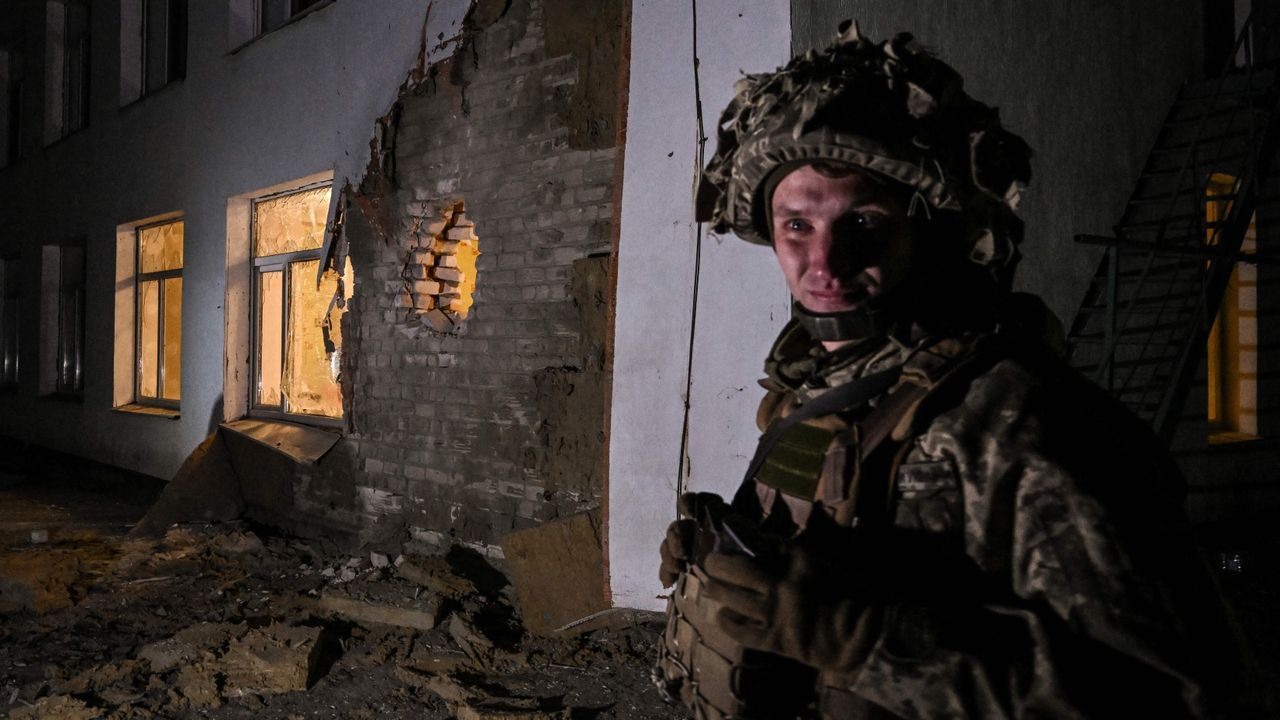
<point>282,263</point>
<point>249,18</point>
<point>63,356</point>
<point>140,277</point>
<point>73,56</point>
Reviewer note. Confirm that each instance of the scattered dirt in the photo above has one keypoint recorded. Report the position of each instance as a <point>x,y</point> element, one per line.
<point>223,621</point>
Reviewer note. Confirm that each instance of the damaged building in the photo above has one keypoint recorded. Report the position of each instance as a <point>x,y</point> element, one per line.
<point>410,276</point>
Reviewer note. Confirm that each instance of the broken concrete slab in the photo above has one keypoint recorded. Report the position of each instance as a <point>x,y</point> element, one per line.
<point>435,573</point>
<point>477,646</point>
<point>273,659</point>
<point>421,616</point>
<point>56,707</point>
<point>558,571</point>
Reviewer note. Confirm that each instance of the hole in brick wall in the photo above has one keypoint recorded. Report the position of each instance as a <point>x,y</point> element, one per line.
<point>440,273</point>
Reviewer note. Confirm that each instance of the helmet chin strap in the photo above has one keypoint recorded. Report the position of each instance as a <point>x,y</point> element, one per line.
<point>856,324</point>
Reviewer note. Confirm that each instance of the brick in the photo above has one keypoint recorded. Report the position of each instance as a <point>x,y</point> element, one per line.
<point>446,273</point>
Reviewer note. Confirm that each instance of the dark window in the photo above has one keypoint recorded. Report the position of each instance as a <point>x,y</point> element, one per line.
<point>164,32</point>
<point>248,19</point>
<point>70,367</point>
<point>10,303</point>
<point>67,68</point>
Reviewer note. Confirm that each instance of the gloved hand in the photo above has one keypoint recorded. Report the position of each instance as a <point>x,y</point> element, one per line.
<point>677,547</point>
<point>802,606</point>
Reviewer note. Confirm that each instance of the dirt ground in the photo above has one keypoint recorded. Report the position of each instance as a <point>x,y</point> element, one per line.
<point>226,621</point>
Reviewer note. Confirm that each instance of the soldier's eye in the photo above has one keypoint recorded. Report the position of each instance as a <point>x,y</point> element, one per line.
<point>796,225</point>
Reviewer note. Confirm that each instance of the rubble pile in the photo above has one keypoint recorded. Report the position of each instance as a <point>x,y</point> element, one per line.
<point>216,621</point>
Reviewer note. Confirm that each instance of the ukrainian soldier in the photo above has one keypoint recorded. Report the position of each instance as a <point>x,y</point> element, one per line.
<point>941,520</point>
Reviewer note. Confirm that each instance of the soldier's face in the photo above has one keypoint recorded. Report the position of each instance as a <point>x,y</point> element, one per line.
<point>840,240</point>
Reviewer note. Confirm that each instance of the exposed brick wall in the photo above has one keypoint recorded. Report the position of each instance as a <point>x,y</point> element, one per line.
<point>467,432</point>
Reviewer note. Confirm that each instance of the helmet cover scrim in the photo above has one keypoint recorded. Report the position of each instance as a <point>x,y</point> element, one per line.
<point>890,108</point>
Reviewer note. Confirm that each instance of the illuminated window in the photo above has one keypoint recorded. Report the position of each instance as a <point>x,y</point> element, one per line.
<point>250,18</point>
<point>1232,352</point>
<point>297,335</point>
<point>9,309</point>
<point>66,68</point>
<point>158,300</point>
<point>153,45</point>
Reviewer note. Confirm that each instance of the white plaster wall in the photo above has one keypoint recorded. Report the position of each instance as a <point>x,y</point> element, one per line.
<point>296,102</point>
<point>741,300</point>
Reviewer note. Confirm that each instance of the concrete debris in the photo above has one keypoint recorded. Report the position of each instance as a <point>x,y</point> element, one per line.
<point>213,620</point>
<point>238,543</point>
<point>274,659</point>
<point>39,581</point>
<point>557,570</point>
<point>57,707</point>
<point>474,643</point>
<point>434,573</point>
<point>364,612</point>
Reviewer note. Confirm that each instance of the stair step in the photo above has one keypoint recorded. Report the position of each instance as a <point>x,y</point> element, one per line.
<point>1183,147</point>
<point>1257,81</point>
<point>1099,337</point>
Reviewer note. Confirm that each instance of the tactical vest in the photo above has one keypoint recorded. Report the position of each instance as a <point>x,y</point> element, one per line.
<point>842,460</point>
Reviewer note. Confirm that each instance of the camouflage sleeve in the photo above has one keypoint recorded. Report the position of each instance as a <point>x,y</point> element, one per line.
<point>1081,594</point>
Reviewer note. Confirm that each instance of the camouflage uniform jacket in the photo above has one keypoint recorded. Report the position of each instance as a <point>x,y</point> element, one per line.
<point>1039,525</point>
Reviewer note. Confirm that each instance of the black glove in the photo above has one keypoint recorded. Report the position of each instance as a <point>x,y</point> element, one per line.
<point>800,605</point>
<point>678,546</point>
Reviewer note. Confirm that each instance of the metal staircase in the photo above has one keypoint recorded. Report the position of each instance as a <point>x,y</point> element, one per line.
<point>1143,326</point>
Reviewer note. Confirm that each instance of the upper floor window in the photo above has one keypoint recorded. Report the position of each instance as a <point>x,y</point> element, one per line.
<point>297,335</point>
<point>9,314</point>
<point>66,68</point>
<point>250,18</point>
<point>153,46</point>
<point>10,106</point>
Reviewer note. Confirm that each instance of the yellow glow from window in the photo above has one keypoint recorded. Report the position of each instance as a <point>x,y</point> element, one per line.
<point>1232,387</point>
<point>160,247</point>
<point>270,326</point>
<point>290,223</point>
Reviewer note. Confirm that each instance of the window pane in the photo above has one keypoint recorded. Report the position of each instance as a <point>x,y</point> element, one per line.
<point>290,223</point>
<point>160,247</point>
<point>172,338</point>
<point>157,46</point>
<point>274,13</point>
<point>311,377</point>
<point>9,371</point>
<point>9,324</point>
<point>270,324</point>
<point>148,337</point>
<point>71,320</point>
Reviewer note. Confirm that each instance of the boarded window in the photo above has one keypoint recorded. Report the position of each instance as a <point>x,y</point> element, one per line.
<point>159,321</point>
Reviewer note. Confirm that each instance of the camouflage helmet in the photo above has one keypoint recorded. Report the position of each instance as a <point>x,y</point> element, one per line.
<point>890,108</point>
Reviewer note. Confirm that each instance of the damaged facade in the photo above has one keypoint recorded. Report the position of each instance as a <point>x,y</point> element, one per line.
<point>502,337</point>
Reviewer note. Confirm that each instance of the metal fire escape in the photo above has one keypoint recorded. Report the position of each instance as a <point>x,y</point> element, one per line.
<point>1142,329</point>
